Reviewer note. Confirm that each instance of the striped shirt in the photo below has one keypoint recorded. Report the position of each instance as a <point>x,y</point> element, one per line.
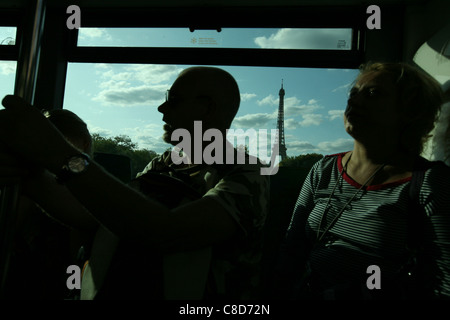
<point>372,229</point>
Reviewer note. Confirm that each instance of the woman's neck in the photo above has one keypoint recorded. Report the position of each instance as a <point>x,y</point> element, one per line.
<point>365,161</point>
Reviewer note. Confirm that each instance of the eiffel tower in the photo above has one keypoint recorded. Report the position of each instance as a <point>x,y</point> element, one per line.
<point>280,125</point>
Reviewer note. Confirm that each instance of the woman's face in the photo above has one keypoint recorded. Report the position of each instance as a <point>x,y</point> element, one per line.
<point>373,107</point>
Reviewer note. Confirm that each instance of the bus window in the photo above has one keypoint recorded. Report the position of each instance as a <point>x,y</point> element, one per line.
<point>7,36</point>
<point>122,99</point>
<point>7,77</point>
<point>248,38</point>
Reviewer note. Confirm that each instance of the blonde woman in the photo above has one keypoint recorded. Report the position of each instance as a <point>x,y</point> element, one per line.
<point>352,225</point>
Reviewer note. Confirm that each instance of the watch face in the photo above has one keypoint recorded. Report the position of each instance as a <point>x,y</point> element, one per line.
<point>77,164</point>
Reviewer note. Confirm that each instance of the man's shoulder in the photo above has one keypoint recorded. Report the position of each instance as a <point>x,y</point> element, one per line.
<point>248,168</point>
<point>158,163</point>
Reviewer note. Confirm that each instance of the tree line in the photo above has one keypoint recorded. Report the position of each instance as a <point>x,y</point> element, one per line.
<point>123,145</point>
<point>305,161</point>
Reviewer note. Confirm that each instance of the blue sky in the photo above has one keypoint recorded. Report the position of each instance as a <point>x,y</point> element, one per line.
<point>122,99</point>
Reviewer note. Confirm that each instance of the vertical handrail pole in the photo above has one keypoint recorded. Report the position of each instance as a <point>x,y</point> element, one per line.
<point>29,51</point>
<point>9,196</point>
<point>27,70</point>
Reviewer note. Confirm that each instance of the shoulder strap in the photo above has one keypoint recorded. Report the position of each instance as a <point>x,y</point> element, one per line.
<point>416,213</point>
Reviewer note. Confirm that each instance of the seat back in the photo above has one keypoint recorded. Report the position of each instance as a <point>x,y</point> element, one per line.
<point>116,164</point>
<point>284,190</point>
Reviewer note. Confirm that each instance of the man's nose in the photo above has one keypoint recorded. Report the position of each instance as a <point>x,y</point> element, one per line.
<point>163,107</point>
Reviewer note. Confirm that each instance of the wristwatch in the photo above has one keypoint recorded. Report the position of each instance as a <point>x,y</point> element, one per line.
<point>74,166</point>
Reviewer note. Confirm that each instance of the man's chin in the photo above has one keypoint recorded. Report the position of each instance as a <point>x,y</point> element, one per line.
<point>167,134</point>
<point>166,139</point>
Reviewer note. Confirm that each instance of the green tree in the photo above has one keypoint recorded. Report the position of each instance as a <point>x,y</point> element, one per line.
<point>301,161</point>
<point>123,145</point>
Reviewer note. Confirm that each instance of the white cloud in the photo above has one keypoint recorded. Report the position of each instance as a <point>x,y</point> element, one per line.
<point>120,76</point>
<point>292,107</point>
<point>290,124</point>
<point>8,67</point>
<point>255,120</point>
<point>113,84</point>
<point>91,33</point>
<point>95,129</point>
<point>343,87</point>
<point>296,147</point>
<point>150,142</point>
<point>335,114</point>
<point>299,147</point>
<point>344,70</point>
<point>132,95</point>
<point>134,84</point>
<point>339,145</point>
<point>247,96</point>
<point>148,137</point>
<point>269,100</point>
<point>153,74</point>
<point>101,66</point>
<point>305,39</point>
<point>148,74</point>
<point>311,119</point>
<point>151,129</point>
<point>7,34</point>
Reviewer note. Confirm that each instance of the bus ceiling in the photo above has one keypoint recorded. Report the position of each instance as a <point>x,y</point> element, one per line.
<point>403,28</point>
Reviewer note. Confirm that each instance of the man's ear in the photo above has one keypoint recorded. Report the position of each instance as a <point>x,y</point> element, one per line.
<point>209,108</point>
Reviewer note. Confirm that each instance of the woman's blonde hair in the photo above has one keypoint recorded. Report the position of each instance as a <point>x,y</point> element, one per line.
<point>419,98</point>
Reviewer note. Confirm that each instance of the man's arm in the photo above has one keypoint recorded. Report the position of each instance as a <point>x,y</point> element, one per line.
<point>58,201</point>
<point>123,210</point>
<point>130,214</point>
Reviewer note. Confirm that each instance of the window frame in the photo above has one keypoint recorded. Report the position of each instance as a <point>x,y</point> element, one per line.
<point>214,18</point>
